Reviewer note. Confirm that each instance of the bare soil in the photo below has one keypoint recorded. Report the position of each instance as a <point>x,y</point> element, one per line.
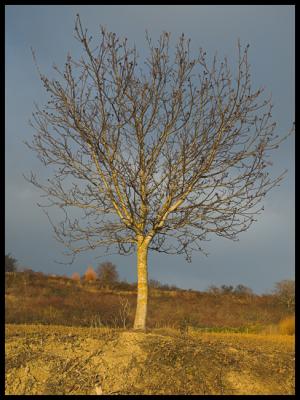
<point>49,359</point>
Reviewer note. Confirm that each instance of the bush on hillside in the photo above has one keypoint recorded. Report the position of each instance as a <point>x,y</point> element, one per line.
<point>75,276</point>
<point>287,325</point>
<point>10,263</point>
<point>90,275</point>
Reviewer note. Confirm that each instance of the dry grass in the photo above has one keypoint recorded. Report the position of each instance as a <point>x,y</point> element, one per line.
<point>33,298</point>
<point>287,325</point>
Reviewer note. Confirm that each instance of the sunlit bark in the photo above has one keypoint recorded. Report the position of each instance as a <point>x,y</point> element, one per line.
<point>142,284</point>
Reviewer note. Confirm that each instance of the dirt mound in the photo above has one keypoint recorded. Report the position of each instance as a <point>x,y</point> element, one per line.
<point>62,360</point>
<point>119,364</point>
<point>67,360</point>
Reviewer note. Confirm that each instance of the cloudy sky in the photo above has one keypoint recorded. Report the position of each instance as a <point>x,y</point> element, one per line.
<point>265,253</point>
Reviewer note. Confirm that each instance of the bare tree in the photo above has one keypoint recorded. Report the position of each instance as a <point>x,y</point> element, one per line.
<point>124,310</point>
<point>157,157</point>
<point>107,274</point>
<point>285,292</point>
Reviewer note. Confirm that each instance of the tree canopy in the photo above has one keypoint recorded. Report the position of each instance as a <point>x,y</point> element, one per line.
<point>158,155</point>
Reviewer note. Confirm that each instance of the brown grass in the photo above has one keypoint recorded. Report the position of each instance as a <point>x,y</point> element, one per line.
<point>287,325</point>
<point>32,298</point>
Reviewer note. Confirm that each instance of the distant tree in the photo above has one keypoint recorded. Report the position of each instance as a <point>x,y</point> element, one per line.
<point>160,157</point>
<point>285,292</point>
<point>227,289</point>
<point>243,290</point>
<point>90,274</point>
<point>76,276</point>
<point>107,274</point>
<point>10,263</point>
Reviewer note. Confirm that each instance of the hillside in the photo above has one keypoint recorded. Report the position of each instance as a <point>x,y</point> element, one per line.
<point>36,298</point>
<point>73,337</point>
<point>67,360</point>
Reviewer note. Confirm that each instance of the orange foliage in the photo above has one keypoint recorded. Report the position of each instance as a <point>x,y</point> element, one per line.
<point>287,325</point>
<point>90,274</point>
<point>76,276</point>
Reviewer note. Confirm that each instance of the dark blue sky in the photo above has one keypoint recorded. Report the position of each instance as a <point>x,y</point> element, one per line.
<point>265,253</point>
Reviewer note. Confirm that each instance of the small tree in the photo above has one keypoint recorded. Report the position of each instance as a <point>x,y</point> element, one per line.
<point>90,275</point>
<point>285,292</point>
<point>107,274</point>
<point>124,310</point>
<point>10,263</point>
<point>76,276</point>
<point>157,158</point>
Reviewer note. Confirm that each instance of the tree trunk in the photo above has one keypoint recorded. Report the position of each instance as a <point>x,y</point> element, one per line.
<point>142,285</point>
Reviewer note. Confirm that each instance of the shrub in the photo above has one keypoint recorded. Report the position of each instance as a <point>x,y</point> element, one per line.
<point>164,287</point>
<point>123,285</point>
<point>153,283</point>
<point>226,289</point>
<point>243,290</point>
<point>76,276</point>
<point>214,290</point>
<point>287,325</point>
<point>10,263</point>
<point>124,310</point>
<point>90,274</point>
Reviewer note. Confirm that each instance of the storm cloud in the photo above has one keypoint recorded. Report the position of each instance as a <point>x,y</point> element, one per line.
<point>265,253</point>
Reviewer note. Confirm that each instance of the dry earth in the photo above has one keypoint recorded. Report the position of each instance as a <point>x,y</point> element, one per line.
<point>58,360</point>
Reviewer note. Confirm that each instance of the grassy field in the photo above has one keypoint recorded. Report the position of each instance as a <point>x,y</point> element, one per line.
<point>61,360</point>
